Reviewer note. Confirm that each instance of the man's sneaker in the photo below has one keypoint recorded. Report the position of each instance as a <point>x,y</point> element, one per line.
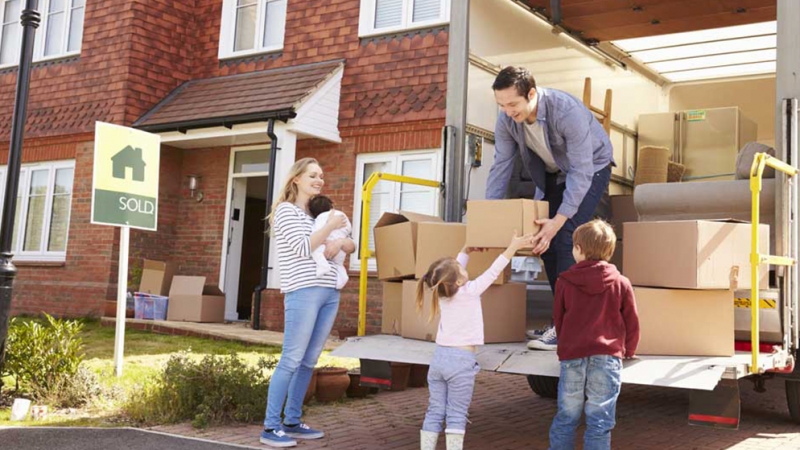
<point>277,438</point>
<point>549,341</point>
<point>302,431</point>
<point>537,333</point>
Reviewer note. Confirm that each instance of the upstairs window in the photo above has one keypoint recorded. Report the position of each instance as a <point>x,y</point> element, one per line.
<point>251,26</point>
<point>389,16</point>
<point>60,33</point>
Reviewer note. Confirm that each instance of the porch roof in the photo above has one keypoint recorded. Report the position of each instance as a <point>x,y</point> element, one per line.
<point>225,101</point>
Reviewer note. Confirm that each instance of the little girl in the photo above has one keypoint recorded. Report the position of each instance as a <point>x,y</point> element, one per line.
<point>451,376</point>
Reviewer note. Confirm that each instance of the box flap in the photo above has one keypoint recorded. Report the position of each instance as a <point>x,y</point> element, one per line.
<point>389,218</point>
<point>417,217</point>
<point>183,285</point>
<point>154,265</point>
<point>211,289</point>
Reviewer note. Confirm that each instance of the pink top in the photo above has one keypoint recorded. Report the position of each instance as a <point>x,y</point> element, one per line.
<point>462,317</point>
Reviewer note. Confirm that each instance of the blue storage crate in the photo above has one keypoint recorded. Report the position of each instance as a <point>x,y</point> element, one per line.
<point>150,307</point>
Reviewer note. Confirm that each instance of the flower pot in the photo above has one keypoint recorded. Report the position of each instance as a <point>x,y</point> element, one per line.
<point>355,390</point>
<point>400,374</point>
<point>332,382</point>
<point>346,332</point>
<point>418,376</point>
<point>312,388</point>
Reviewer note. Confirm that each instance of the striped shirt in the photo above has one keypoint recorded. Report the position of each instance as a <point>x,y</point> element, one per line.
<point>293,228</point>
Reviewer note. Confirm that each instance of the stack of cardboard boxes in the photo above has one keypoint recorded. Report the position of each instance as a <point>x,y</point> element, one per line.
<point>684,275</point>
<point>407,243</point>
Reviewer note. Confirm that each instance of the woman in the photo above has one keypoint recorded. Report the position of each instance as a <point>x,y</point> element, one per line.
<point>310,302</point>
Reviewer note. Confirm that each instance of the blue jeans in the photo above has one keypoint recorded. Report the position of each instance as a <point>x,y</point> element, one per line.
<point>558,257</point>
<point>451,380</point>
<point>597,380</point>
<point>309,316</point>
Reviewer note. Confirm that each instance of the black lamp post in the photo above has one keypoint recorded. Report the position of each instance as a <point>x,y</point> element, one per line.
<point>30,19</point>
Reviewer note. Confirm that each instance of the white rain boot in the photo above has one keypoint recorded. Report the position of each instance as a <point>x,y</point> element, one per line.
<point>428,440</point>
<point>455,441</point>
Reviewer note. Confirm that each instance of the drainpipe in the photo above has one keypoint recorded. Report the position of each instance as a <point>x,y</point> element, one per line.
<point>273,155</point>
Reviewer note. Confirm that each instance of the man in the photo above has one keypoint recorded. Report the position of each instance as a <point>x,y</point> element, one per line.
<point>566,153</point>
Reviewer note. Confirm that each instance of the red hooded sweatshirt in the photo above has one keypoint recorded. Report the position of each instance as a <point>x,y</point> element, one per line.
<point>595,312</point>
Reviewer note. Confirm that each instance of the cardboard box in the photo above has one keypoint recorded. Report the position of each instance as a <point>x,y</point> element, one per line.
<point>392,309</point>
<point>685,322</point>
<point>616,258</point>
<point>691,254</point>
<point>652,165</point>
<point>396,244</point>
<point>157,277</point>
<point>504,314</point>
<point>491,223</point>
<point>437,240</point>
<point>191,301</point>
<point>622,210</point>
<point>479,262</point>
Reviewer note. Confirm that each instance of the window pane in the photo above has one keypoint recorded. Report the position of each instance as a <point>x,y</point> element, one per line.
<point>17,215</point>
<point>388,13</point>
<point>10,44</point>
<point>59,223</point>
<point>55,34</point>
<point>77,3</point>
<point>381,201</point>
<point>35,219</point>
<point>375,167</point>
<point>75,30</point>
<point>245,28</point>
<point>12,11</point>
<point>418,202</point>
<point>251,161</point>
<point>56,6</point>
<point>420,168</point>
<point>427,10</point>
<point>64,181</point>
<point>274,23</point>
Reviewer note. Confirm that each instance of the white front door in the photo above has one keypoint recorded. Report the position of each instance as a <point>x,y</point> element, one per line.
<point>234,255</point>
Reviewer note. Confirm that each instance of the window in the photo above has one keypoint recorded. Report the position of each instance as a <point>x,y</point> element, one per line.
<point>60,33</point>
<point>391,196</point>
<point>41,222</point>
<point>251,26</point>
<point>388,16</point>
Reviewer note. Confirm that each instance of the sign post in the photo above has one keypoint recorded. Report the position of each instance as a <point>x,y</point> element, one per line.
<point>124,194</point>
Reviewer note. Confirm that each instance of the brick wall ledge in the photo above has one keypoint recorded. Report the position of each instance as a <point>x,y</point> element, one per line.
<point>40,263</point>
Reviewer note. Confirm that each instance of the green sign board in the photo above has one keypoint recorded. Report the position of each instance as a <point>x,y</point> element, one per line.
<point>125,178</point>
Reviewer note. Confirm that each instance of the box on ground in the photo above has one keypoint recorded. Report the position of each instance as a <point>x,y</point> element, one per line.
<point>504,313</point>
<point>491,223</point>
<point>157,277</point>
<point>396,244</point>
<point>692,254</point>
<point>684,322</point>
<point>435,241</point>
<point>622,210</point>
<point>191,301</point>
<point>392,309</point>
<point>479,262</point>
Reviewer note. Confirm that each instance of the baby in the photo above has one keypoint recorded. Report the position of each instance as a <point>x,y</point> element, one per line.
<point>320,208</point>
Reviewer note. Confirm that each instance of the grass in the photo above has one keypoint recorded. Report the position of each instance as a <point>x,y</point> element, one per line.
<point>145,354</point>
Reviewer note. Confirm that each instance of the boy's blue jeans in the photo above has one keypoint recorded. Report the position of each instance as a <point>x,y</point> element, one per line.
<point>598,380</point>
<point>309,315</point>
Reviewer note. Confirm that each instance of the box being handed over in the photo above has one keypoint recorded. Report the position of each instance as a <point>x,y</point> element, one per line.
<point>491,223</point>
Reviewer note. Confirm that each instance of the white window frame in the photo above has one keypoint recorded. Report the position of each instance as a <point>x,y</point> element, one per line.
<point>22,206</point>
<point>227,35</point>
<point>366,21</point>
<point>395,160</point>
<point>41,34</point>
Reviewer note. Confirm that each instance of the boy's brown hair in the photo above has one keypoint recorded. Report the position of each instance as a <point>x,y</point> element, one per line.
<point>596,239</point>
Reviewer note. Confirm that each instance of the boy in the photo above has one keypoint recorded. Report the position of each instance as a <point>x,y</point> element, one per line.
<point>320,208</point>
<point>597,325</point>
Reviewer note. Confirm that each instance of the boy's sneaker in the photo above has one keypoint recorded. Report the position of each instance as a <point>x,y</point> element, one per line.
<point>302,431</point>
<point>277,438</point>
<point>537,333</point>
<point>549,341</point>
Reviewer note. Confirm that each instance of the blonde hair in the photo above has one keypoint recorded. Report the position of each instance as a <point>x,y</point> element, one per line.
<point>596,239</point>
<point>442,279</point>
<point>289,191</point>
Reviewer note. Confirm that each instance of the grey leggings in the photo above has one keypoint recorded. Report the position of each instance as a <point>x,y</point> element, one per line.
<point>451,380</point>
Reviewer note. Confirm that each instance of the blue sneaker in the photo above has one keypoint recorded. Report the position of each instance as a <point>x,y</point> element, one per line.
<point>302,431</point>
<point>549,341</point>
<point>277,438</point>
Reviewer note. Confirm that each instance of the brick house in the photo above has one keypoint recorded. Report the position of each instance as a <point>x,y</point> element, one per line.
<point>358,84</point>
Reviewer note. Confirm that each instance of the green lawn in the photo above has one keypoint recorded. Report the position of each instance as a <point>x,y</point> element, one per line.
<point>145,354</point>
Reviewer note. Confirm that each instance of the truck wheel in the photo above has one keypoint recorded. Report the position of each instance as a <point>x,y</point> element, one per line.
<point>793,399</point>
<point>547,387</point>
